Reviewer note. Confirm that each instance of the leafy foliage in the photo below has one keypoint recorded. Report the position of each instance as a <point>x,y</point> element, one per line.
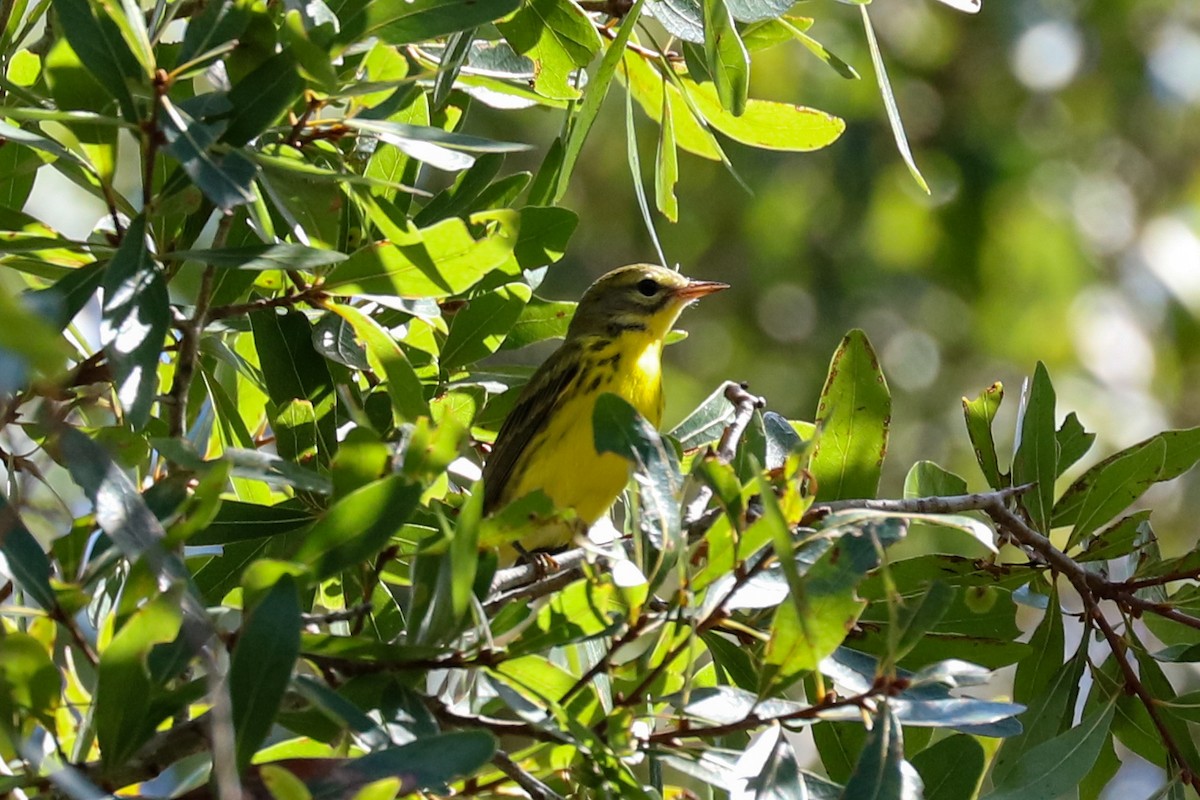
<point>244,540</point>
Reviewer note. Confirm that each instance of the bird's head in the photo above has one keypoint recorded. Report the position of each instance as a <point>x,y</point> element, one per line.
<point>640,298</point>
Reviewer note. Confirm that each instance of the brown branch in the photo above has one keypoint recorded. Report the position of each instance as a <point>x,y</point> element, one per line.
<point>674,736</point>
<point>189,343</point>
<point>310,295</point>
<point>532,786</point>
<point>744,405</point>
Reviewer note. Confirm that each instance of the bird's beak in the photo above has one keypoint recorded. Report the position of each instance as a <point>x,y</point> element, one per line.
<point>697,289</point>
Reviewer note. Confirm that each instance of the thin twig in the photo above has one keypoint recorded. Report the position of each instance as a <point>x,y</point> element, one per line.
<point>532,786</point>
<point>310,295</point>
<point>744,406</point>
<point>951,504</point>
<point>189,343</point>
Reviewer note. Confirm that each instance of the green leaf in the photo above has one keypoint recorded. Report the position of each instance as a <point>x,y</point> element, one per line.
<point>1182,450</point>
<point>980,414</point>
<point>1101,494</point>
<point>881,771</point>
<point>480,328</point>
<point>262,257</point>
<point>824,604</point>
<point>666,165</point>
<point>543,237</point>
<point>706,423</point>
<point>838,744</point>
<point>403,386</point>
<point>1073,442</point>
<point>236,521</point>
<point>889,102</point>
<point>1049,714</point>
<point>294,424</point>
<point>1036,456</point>
<point>219,22</point>
<point>1119,539</point>
<point>539,320</point>
<point>24,558</point>
<point>916,621</point>
<point>333,337</point>
<point>59,303</point>
<point>1160,687</point>
<point>261,665</point>
<point>952,768</point>
<point>853,417</point>
<point>767,124</point>
<point>620,429</point>
<point>1036,671</point>
<point>441,260</point>
<point>261,98</point>
<point>27,340</point>
<point>581,125</point>
<point>654,93</point>
<point>225,178</point>
<point>358,526</point>
<point>125,693</point>
<point>458,199</point>
<point>927,479</point>
<point>726,56</point>
<point>1059,764</point>
<point>32,682</point>
<point>101,48</point>
<point>559,37</point>
<point>293,370</point>
<point>398,22</point>
<point>635,169</point>
<point>134,322</point>
<point>430,762</point>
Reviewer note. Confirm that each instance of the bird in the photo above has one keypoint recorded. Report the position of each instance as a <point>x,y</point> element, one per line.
<point>613,344</point>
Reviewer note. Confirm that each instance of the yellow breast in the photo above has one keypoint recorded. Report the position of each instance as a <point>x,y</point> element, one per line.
<point>562,460</point>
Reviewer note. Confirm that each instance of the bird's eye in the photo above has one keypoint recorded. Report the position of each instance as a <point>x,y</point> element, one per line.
<point>648,287</point>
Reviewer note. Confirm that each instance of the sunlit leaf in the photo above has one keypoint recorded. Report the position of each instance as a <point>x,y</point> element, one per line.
<point>854,416</point>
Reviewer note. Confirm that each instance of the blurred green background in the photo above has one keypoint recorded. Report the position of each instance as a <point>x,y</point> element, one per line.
<point>1061,142</point>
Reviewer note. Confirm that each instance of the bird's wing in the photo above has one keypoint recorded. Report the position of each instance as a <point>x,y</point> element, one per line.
<point>542,394</point>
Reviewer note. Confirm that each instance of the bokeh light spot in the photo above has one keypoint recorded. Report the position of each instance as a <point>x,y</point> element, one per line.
<point>1048,55</point>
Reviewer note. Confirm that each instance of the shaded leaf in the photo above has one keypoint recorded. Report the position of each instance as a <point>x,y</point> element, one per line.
<point>479,329</point>
<point>225,178</point>
<point>1059,764</point>
<point>358,526</point>
<point>23,558</point>
<point>881,771</point>
<point>951,769</point>
<point>134,322</point>
<point>403,386</point>
<point>262,257</point>
<point>261,665</point>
